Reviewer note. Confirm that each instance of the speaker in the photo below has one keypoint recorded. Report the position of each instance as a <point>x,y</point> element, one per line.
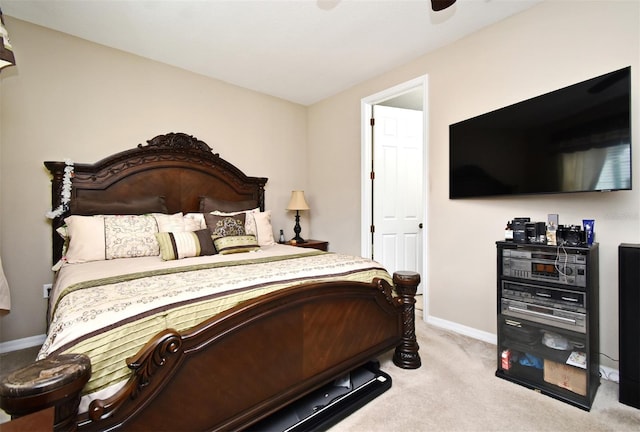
<point>629,323</point>
<point>520,229</point>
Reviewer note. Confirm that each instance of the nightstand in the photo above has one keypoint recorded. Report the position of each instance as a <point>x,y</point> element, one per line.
<point>314,244</point>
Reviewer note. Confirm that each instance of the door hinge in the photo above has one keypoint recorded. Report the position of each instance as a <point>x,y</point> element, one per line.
<point>372,228</point>
<point>372,122</point>
<point>372,175</point>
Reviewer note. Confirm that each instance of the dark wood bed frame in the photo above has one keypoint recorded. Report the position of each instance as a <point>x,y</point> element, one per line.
<point>248,362</point>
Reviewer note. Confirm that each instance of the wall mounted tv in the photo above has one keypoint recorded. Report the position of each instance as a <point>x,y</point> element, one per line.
<point>576,139</point>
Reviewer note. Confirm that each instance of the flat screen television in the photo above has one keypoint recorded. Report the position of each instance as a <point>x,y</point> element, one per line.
<point>576,139</point>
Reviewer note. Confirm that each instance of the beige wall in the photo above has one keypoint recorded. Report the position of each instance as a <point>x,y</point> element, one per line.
<point>550,46</point>
<point>70,98</point>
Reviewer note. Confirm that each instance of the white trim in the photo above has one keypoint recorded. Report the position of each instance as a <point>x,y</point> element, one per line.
<point>366,108</point>
<point>18,344</point>
<point>610,374</point>
<point>463,330</point>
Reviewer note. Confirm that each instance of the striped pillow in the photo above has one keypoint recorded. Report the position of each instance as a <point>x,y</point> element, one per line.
<point>178,245</point>
<point>236,244</point>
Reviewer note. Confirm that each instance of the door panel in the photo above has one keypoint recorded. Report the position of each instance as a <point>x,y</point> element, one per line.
<point>397,188</point>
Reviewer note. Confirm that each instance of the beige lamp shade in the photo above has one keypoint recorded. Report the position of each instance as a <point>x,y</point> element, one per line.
<point>297,201</point>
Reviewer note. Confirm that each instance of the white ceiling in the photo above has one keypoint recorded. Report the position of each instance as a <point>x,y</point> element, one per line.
<point>299,50</point>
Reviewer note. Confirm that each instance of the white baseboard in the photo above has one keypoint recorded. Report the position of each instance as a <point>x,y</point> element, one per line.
<point>610,374</point>
<point>23,343</point>
<point>463,330</point>
<point>607,373</point>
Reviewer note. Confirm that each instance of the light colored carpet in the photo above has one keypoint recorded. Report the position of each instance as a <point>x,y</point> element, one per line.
<point>456,390</point>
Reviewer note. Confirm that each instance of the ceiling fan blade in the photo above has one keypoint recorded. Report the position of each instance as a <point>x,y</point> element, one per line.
<point>438,5</point>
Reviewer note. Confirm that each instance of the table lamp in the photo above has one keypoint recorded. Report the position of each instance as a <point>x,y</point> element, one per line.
<point>297,203</point>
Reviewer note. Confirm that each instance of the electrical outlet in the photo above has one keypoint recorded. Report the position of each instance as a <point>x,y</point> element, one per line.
<point>46,289</point>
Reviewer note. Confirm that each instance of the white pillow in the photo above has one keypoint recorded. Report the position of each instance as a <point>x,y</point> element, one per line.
<point>100,237</point>
<point>194,222</point>
<point>264,229</point>
<point>169,223</point>
<point>86,238</point>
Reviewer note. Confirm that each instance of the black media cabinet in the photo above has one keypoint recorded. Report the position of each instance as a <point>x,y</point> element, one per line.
<point>548,325</point>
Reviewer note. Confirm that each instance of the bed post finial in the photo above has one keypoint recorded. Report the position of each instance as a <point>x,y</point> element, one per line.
<point>406,355</point>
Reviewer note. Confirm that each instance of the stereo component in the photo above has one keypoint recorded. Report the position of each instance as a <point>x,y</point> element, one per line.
<point>550,306</point>
<point>571,235</point>
<point>567,268</point>
<point>520,229</point>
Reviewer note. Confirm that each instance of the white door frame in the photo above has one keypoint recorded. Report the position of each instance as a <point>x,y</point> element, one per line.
<point>366,109</point>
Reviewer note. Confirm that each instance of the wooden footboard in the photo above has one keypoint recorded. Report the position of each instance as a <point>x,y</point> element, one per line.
<point>250,361</point>
<point>239,367</point>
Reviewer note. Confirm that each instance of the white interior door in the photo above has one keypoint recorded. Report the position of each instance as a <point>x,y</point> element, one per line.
<point>397,188</point>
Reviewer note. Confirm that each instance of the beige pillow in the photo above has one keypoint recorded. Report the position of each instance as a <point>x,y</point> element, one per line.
<point>129,236</point>
<point>264,230</point>
<point>86,238</point>
<point>169,223</point>
<point>194,222</point>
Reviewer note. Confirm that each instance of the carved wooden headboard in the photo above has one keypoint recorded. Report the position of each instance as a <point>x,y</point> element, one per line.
<point>178,167</point>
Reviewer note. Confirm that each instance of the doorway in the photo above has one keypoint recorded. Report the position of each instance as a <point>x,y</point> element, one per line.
<point>394,194</point>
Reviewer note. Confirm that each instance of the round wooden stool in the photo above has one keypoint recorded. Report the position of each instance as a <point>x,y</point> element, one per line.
<point>50,382</point>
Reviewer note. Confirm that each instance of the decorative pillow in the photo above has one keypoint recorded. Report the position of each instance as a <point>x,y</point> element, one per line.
<point>169,223</point>
<point>249,223</point>
<point>236,244</point>
<point>194,222</point>
<point>178,245</point>
<point>264,230</point>
<point>208,204</point>
<point>86,238</point>
<point>224,226</point>
<point>128,236</point>
<point>136,206</point>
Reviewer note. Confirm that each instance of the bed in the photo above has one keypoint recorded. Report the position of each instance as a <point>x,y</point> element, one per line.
<point>181,339</point>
